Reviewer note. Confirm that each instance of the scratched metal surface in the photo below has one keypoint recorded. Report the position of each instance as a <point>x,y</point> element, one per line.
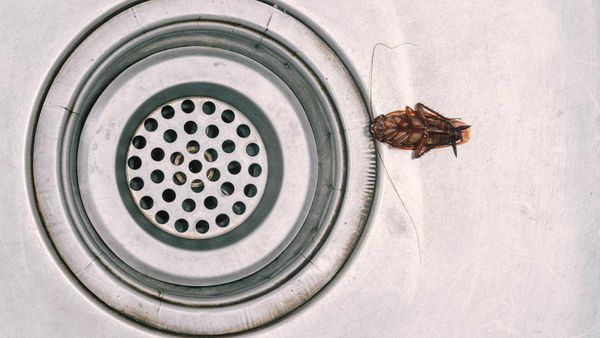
<point>507,241</point>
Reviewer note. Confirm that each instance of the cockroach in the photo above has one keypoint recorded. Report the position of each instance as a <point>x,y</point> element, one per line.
<point>420,129</point>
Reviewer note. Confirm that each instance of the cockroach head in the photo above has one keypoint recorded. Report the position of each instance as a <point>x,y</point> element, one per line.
<point>377,128</point>
<point>464,132</point>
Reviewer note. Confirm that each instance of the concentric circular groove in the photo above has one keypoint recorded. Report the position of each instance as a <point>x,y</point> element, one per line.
<point>186,163</point>
<point>301,226</point>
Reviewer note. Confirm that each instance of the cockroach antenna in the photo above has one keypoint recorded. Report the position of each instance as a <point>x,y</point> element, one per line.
<point>378,154</point>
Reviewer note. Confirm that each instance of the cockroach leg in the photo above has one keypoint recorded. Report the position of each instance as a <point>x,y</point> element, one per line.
<point>420,147</point>
<point>421,106</point>
<point>409,120</point>
<point>420,112</point>
<point>424,151</point>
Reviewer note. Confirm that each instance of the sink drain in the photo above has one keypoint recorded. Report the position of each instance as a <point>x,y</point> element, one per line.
<point>195,167</point>
<point>202,167</point>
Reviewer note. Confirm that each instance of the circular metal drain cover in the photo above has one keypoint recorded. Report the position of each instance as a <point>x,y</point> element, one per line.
<point>202,167</point>
<point>195,167</point>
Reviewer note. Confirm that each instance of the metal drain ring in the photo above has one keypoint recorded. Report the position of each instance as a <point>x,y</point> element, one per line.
<point>308,69</point>
<point>195,167</point>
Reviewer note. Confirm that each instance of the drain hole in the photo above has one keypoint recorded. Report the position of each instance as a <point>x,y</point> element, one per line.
<point>188,106</point>
<point>222,220</point>
<point>139,142</point>
<point>181,225</point>
<point>211,155</point>
<point>243,131</point>
<point>167,112</point>
<point>177,158</point>
<point>134,162</point>
<point>179,178</point>
<point>234,167</point>
<point>212,131</point>
<point>254,170</point>
<point>228,146</point>
<point>195,166</point>
<point>210,202</point>
<point>213,174</point>
<point>227,188</point>
<point>239,208</point>
<point>157,176</point>
<point>168,195</point>
<point>190,127</point>
<point>150,124</point>
<point>136,184</point>
<point>202,227</point>
<point>146,202</point>
<point>197,185</point>
<point>227,116</point>
<point>188,205</point>
<point>170,136</point>
<point>208,108</point>
<point>250,190</point>
<point>157,154</point>
<point>192,147</point>
<point>252,149</point>
<point>162,217</point>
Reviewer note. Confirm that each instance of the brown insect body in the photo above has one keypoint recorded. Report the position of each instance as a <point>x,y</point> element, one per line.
<point>421,130</point>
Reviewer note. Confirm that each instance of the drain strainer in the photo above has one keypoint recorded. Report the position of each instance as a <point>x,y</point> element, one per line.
<point>195,167</point>
<point>202,167</point>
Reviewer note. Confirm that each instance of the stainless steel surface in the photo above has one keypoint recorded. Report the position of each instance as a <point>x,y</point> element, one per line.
<point>507,233</point>
<point>321,170</point>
